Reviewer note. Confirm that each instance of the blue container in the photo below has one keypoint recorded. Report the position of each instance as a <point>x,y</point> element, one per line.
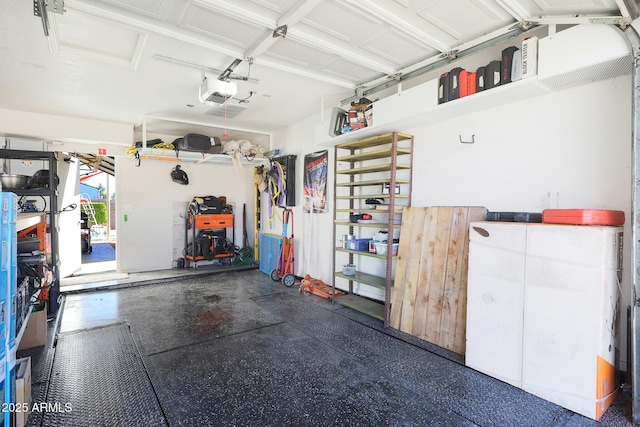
<point>8,265</point>
<point>358,244</point>
<point>269,252</point>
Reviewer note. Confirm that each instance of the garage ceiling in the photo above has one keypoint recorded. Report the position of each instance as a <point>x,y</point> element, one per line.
<point>124,60</point>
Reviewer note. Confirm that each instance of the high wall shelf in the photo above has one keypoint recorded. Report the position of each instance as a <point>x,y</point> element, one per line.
<point>364,168</point>
<point>51,220</point>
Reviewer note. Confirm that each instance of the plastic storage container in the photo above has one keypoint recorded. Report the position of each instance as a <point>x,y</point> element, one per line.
<point>358,244</point>
<point>349,269</point>
<point>381,248</point>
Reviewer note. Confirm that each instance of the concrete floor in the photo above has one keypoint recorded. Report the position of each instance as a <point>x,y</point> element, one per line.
<point>239,349</point>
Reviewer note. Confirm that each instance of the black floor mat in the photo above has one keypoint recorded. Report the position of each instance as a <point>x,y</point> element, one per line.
<point>99,379</point>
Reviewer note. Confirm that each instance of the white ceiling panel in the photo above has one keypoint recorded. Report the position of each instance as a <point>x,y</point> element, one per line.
<point>152,8</point>
<point>89,37</point>
<point>228,30</point>
<point>528,9</point>
<point>299,54</point>
<point>557,7</point>
<point>385,45</point>
<point>346,24</point>
<point>349,70</point>
<point>108,50</point>
<point>469,19</point>
<point>277,6</point>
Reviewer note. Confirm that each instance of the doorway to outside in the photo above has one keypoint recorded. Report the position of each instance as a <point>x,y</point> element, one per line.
<point>98,236</point>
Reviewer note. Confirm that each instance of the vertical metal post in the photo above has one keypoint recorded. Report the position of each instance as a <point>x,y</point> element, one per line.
<point>390,227</point>
<point>635,230</point>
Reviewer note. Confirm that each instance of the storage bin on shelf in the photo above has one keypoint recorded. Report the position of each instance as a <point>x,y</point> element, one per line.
<point>381,248</point>
<point>358,244</point>
<point>349,269</point>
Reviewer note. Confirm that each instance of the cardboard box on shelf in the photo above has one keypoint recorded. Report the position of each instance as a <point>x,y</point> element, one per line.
<point>35,334</point>
<point>23,390</point>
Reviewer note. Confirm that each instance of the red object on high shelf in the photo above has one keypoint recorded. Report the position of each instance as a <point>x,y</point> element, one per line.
<point>583,217</point>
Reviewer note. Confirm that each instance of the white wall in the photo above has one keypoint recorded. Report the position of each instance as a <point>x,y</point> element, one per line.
<point>313,236</point>
<point>152,235</point>
<point>569,149</point>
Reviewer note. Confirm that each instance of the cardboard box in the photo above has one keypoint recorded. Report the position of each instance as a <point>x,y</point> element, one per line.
<point>23,390</point>
<point>35,334</point>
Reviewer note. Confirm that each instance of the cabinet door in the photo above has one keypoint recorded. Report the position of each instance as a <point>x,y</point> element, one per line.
<point>495,292</point>
<point>569,314</point>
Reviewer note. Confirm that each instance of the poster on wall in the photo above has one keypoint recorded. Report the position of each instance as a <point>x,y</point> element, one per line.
<point>314,193</point>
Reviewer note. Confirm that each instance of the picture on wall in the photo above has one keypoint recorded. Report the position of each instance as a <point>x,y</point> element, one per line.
<point>315,182</point>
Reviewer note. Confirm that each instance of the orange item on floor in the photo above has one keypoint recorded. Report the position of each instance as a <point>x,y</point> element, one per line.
<point>318,287</point>
<point>583,217</point>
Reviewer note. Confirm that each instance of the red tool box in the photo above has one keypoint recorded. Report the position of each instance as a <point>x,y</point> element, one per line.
<point>583,217</point>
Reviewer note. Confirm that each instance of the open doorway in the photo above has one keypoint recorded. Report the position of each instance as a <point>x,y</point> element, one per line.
<point>97,235</point>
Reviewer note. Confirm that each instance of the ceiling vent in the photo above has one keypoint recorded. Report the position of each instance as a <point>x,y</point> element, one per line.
<point>228,110</point>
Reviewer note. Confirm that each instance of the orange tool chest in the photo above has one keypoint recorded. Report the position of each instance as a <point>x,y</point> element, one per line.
<point>213,220</point>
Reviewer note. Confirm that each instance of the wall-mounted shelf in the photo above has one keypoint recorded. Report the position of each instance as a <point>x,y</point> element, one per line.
<point>576,56</point>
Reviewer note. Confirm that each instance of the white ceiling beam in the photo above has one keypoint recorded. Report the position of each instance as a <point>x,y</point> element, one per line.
<point>240,12</point>
<point>392,17</point>
<point>514,9</point>
<point>305,72</point>
<point>579,19</point>
<point>309,38</point>
<point>342,49</point>
<point>143,23</point>
<point>291,17</point>
<point>628,9</point>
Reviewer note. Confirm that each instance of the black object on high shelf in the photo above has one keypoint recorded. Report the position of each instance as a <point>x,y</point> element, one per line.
<point>52,193</point>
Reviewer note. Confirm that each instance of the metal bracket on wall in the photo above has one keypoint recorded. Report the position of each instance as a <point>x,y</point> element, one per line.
<point>473,139</point>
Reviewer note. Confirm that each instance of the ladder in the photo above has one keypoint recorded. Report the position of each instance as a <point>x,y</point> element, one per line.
<point>87,208</point>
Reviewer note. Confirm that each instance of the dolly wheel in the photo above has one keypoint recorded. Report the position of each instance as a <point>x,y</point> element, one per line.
<point>274,275</point>
<point>289,280</point>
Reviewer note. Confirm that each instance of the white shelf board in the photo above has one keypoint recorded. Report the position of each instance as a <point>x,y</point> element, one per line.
<point>194,157</point>
<point>432,112</point>
<point>26,220</point>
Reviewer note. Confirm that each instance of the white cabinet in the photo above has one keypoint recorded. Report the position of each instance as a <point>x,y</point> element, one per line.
<point>542,310</point>
<point>495,301</point>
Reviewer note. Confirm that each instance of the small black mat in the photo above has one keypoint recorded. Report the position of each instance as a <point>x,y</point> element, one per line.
<point>99,379</point>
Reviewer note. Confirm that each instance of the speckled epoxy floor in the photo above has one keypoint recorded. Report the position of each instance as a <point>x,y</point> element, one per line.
<point>239,349</point>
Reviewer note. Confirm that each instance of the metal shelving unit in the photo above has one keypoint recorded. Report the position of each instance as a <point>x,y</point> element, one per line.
<point>52,229</point>
<point>371,163</point>
<point>196,222</point>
